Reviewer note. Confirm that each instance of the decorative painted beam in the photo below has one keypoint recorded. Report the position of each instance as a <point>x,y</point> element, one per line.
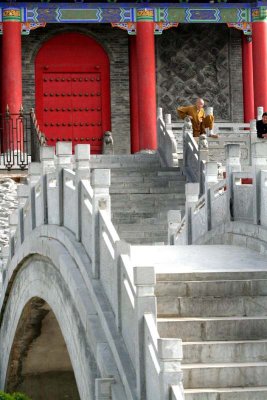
<point>40,13</point>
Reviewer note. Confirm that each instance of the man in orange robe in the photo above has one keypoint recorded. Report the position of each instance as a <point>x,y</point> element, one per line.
<point>198,118</point>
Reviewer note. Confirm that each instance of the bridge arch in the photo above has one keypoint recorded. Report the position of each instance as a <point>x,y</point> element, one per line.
<point>43,272</point>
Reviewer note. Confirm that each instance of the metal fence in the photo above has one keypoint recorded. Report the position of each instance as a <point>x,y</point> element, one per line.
<point>20,140</point>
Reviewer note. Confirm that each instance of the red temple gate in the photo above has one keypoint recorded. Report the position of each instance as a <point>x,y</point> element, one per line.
<point>73,90</point>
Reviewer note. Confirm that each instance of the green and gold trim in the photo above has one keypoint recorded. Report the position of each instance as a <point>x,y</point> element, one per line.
<point>259,14</point>
<point>11,15</point>
<point>145,15</point>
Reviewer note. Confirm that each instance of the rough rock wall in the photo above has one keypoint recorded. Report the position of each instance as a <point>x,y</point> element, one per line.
<point>201,60</point>
<point>8,203</point>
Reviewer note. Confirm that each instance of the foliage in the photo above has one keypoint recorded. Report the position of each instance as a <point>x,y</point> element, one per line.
<point>13,396</point>
<point>5,396</point>
<point>20,396</point>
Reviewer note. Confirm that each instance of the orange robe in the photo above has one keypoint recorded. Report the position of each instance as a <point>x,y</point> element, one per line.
<point>199,120</point>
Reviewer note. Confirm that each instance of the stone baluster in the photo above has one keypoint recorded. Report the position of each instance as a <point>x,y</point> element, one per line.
<point>253,137</point>
<point>168,121</point>
<point>82,171</point>
<point>5,254</point>
<point>103,388</point>
<point>260,111</point>
<point>64,155</point>
<point>233,154</point>
<point>64,160</point>
<point>259,162</point>
<point>100,182</point>
<point>23,196</point>
<point>34,173</point>
<point>170,355</point>
<point>192,195</point>
<point>160,113</point>
<point>203,158</point>
<point>145,302</point>
<point>174,222</point>
<point>211,179</point>
<point>47,157</point>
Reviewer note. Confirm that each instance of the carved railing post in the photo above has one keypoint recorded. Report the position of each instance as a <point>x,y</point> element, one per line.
<point>170,355</point>
<point>174,221</point>
<point>82,171</point>
<point>64,155</point>
<point>260,111</point>
<point>233,154</point>
<point>160,113</point>
<point>103,388</point>
<point>259,162</point>
<point>145,302</point>
<point>203,158</point>
<point>101,201</point>
<point>211,179</point>
<point>192,195</point>
<point>253,137</point>
<point>47,158</point>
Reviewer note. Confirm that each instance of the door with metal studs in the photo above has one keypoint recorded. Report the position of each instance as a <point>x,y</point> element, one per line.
<point>72,108</point>
<point>72,92</point>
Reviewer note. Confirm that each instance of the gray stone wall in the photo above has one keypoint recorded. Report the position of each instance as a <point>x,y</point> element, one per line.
<point>201,60</point>
<point>115,42</point>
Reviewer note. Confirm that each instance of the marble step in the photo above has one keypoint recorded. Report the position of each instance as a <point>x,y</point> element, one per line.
<point>145,189</point>
<point>213,328</point>
<point>220,288</point>
<point>241,351</point>
<point>144,238</point>
<point>211,306</point>
<point>224,375</point>
<point>247,393</point>
<point>211,276</point>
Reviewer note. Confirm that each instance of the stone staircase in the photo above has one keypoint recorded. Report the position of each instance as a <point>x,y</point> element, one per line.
<point>221,316</point>
<point>142,192</point>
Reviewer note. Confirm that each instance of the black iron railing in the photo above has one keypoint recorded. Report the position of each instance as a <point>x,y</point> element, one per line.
<point>20,140</point>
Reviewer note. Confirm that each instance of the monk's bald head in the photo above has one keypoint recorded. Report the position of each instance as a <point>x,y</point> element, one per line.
<point>200,103</point>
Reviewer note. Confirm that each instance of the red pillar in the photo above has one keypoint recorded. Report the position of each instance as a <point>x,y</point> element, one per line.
<point>11,66</point>
<point>146,70</point>
<point>133,78</point>
<point>247,70</point>
<point>259,41</point>
<point>12,138</point>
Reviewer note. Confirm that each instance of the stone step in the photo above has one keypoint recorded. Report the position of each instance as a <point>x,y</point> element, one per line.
<point>225,351</point>
<point>146,175</point>
<point>248,393</point>
<point>146,188</point>
<point>144,237</point>
<point>203,276</point>
<point>220,328</point>
<point>142,227</point>
<point>220,288</point>
<point>224,375</point>
<point>148,172</point>
<point>157,198</point>
<point>211,306</point>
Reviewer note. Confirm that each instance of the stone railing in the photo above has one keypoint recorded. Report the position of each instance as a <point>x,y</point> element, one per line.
<point>61,192</point>
<point>167,146</point>
<point>240,197</point>
<point>228,132</point>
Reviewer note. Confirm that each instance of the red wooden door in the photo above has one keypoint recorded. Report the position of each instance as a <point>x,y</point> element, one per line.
<point>73,99</point>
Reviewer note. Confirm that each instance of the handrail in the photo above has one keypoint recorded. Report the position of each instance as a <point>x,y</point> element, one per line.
<point>65,197</point>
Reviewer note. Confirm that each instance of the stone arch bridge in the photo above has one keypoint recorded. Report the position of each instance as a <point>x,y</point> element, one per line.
<point>78,310</point>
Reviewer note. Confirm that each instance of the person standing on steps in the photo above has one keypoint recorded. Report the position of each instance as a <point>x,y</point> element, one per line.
<point>261,126</point>
<point>199,120</point>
